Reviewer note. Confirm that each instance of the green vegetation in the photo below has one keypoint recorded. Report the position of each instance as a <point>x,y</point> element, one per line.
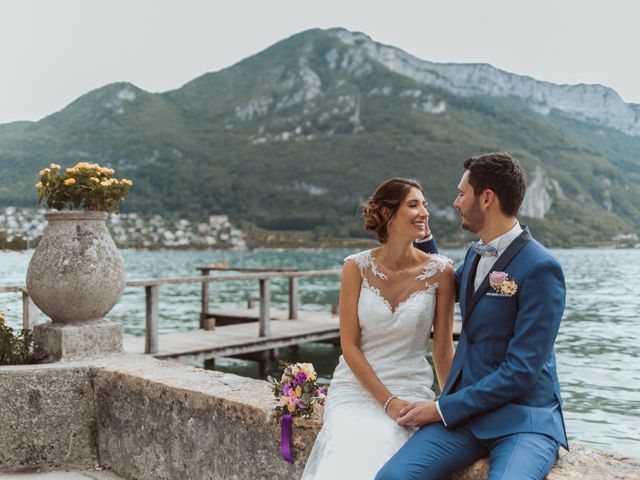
<point>209,147</point>
<point>15,348</point>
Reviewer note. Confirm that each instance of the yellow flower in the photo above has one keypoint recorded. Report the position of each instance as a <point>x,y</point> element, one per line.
<point>126,181</point>
<point>291,408</point>
<point>105,183</point>
<point>43,171</point>
<point>54,166</point>
<point>299,391</point>
<point>70,181</point>
<point>307,368</point>
<point>509,288</point>
<point>95,180</point>
<point>39,185</point>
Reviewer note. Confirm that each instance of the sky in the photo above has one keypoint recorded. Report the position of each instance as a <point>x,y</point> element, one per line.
<point>53,51</point>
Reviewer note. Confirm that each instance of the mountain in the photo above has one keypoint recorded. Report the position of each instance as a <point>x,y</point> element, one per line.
<point>296,137</point>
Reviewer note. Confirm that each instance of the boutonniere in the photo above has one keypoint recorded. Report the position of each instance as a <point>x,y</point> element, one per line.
<point>502,284</point>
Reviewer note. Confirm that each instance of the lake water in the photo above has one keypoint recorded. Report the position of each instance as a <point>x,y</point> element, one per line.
<point>597,345</point>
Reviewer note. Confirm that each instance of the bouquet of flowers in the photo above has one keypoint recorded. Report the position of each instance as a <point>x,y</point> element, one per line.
<point>297,393</point>
<point>85,186</point>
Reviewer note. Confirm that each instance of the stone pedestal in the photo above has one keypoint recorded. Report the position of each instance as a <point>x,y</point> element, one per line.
<point>55,342</point>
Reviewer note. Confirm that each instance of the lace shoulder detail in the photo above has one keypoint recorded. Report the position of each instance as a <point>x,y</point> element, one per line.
<point>436,264</point>
<point>365,260</point>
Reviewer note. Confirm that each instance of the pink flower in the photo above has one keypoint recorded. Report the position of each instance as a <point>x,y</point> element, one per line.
<point>496,278</point>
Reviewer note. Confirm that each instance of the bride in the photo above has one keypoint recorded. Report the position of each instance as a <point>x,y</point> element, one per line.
<point>390,298</point>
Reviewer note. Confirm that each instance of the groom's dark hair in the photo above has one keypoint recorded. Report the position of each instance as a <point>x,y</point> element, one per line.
<point>501,173</point>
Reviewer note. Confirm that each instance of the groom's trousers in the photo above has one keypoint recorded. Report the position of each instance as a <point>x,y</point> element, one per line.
<point>435,453</point>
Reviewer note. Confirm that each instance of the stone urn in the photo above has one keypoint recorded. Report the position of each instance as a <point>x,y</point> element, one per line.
<point>76,276</point>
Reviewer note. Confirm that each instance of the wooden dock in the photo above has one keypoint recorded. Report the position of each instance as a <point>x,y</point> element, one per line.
<point>241,338</point>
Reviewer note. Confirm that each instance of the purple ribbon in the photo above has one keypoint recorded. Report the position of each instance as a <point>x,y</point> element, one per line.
<point>285,438</point>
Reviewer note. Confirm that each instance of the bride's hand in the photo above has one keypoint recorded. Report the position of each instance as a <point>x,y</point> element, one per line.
<point>394,407</point>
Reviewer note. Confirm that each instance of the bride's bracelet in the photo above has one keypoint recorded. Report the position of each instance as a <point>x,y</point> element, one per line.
<point>386,404</point>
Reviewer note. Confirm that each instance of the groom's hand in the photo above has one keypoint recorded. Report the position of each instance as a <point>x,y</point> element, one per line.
<point>418,414</point>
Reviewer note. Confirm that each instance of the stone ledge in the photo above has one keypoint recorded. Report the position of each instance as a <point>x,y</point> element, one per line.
<point>165,421</point>
<point>581,463</point>
<point>157,419</point>
<point>46,418</point>
<point>250,402</point>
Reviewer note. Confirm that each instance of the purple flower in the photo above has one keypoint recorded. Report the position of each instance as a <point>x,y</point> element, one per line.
<point>286,389</point>
<point>301,377</point>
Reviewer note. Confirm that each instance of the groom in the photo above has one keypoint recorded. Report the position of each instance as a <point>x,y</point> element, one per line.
<point>502,396</point>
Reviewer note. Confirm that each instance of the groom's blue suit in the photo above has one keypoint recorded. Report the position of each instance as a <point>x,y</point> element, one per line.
<point>503,387</point>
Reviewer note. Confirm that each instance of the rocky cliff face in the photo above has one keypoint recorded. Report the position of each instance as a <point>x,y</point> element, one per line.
<point>591,103</point>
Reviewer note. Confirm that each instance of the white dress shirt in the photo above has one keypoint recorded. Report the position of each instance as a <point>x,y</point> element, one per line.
<point>486,262</point>
<point>500,244</point>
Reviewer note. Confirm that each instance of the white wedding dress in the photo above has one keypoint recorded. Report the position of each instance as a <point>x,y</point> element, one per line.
<point>357,437</point>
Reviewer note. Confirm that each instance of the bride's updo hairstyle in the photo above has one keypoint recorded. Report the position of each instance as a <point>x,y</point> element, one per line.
<point>389,195</point>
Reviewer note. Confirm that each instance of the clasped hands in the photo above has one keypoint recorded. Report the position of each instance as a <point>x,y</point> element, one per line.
<point>413,414</point>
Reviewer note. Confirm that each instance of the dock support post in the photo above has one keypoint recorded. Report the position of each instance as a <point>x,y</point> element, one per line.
<point>152,300</point>
<point>204,308</point>
<point>29,311</point>
<point>293,298</point>
<point>265,307</point>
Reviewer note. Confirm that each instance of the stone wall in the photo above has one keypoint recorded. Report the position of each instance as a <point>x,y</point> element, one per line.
<point>158,420</point>
<point>46,418</point>
<point>143,418</point>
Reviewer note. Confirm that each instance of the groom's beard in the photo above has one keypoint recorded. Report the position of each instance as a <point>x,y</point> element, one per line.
<point>473,219</point>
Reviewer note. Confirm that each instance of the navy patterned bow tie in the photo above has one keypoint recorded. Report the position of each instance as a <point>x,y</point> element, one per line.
<point>485,250</point>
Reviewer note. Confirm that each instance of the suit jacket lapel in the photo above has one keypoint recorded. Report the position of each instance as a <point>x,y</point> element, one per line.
<point>504,260</point>
<point>471,279</point>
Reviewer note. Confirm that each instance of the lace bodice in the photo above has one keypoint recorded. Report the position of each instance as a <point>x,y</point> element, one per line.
<point>371,275</point>
<point>394,338</point>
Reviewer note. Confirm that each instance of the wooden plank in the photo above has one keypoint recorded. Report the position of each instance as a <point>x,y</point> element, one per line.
<point>12,288</point>
<point>293,298</point>
<point>204,303</point>
<point>29,311</point>
<point>244,269</point>
<point>264,328</point>
<point>152,301</point>
<point>225,278</point>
